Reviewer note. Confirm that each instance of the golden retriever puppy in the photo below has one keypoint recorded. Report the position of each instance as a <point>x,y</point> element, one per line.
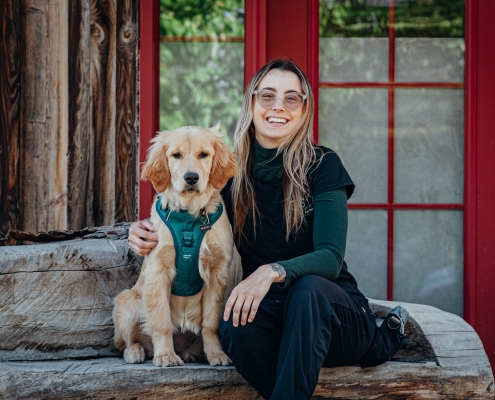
<point>188,167</point>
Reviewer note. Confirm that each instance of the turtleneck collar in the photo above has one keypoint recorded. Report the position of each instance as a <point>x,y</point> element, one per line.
<point>267,164</point>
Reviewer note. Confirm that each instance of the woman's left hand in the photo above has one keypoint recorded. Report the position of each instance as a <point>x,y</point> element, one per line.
<point>247,295</point>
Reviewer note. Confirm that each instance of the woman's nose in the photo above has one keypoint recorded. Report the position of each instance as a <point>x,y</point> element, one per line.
<point>279,104</point>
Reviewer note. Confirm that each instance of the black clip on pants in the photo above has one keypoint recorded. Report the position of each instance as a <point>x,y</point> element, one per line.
<point>293,335</point>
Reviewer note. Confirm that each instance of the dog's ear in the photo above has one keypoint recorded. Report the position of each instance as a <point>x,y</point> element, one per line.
<point>215,128</point>
<point>156,167</point>
<point>224,166</point>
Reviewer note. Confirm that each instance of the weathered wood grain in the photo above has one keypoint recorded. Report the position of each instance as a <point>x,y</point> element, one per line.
<point>10,32</point>
<point>112,378</point>
<point>81,146</point>
<point>56,298</point>
<point>56,302</point>
<point>103,108</point>
<point>126,167</point>
<point>44,105</point>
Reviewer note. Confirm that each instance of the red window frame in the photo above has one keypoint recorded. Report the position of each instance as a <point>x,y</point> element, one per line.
<point>391,205</point>
<point>263,42</point>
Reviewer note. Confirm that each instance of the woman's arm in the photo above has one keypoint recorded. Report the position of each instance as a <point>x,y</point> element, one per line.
<point>329,238</point>
<point>141,237</point>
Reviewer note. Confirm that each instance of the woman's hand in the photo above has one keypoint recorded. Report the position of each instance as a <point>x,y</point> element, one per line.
<point>248,294</point>
<point>141,237</point>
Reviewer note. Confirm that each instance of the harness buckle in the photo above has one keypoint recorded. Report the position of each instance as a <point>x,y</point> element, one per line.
<point>187,239</point>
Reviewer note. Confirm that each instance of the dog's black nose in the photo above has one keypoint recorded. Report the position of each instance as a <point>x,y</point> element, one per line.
<point>191,178</point>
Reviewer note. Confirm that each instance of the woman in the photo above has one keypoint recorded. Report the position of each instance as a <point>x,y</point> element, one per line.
<point>297,308</point>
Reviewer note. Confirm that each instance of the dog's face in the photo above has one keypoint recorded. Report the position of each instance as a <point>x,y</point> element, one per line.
<point>188,160</point>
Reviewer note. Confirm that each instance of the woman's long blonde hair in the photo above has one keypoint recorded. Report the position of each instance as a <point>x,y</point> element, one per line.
<point>298,155</point>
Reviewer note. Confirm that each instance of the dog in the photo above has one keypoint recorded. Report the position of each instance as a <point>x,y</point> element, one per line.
<point>188,167</point>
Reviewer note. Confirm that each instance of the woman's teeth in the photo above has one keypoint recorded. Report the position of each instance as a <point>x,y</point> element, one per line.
<point>277,120</point>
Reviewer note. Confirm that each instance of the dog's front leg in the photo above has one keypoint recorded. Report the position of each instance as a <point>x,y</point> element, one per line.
<point>158,285</point>
<point>212,311</point>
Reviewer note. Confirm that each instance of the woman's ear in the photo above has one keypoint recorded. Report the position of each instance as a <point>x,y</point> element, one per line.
<point>224,166</point>
<point>156,167</point>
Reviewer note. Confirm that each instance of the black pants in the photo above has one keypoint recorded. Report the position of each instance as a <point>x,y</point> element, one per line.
<point>294,334</point>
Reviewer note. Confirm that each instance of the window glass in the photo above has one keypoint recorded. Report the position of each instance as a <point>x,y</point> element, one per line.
<point>429,258</point>
<point>391,105</point>
<point>201,63</point>
<point>353,41</point>
<point>429,45</point>
<point>366,251</point>
<point>354,125</point>
<point>429,146</point>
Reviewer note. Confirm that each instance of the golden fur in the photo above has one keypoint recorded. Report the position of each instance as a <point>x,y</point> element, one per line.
<point>148,317</point>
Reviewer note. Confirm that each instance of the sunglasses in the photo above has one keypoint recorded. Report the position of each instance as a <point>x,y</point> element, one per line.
<point>267,99</point>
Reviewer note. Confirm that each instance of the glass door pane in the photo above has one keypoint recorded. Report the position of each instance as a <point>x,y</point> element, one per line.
<point>391,105</point>
<point>353,41</point>
<point>353,121</point>
<point>201,64</point>
<point>429,43</point>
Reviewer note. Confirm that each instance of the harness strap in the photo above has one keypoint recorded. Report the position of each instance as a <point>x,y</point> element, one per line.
<point>188,232</point>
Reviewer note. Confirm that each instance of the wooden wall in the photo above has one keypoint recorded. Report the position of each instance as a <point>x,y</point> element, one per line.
<point>69,113</point>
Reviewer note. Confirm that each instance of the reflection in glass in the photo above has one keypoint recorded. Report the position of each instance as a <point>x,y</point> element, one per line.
<point>353,59</point>
<point>429,60</point>
<point>353,41</point>
<point>429,146</point>
<point>217,18</point>
<point>355,18</point>
<point>201,83</point>
<point>353,123</point>
<point>366,252</point>
<point>428,258</point>
<point>201,63</point>
<point>429,18</point>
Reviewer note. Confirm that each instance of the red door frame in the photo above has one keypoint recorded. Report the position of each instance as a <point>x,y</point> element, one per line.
<point>479,227</point>
<point>149,90</point>
<point>294,33</point>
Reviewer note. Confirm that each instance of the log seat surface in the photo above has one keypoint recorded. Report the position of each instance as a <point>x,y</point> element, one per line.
<point>56,338</point>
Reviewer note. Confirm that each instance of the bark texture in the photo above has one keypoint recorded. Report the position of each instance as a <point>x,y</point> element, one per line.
<point>69,137</point>
<point>56,303</point>
<point>10,72</point>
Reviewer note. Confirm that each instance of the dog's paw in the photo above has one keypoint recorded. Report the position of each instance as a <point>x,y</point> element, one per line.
<point>167,360</point>
<point>134,354</point>
<point>219,358</point>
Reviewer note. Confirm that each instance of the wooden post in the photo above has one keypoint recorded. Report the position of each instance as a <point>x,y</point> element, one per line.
<point>9,115</point>
<point>103,78</point>
<point>81,144</point>
<point>44,108</point>
<point>126,163</point>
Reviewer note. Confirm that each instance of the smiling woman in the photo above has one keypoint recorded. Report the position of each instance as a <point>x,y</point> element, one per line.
<point>297,308</point>
<point>273,120</point>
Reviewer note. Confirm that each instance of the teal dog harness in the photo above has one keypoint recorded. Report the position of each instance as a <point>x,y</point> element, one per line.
<point>188,232</point>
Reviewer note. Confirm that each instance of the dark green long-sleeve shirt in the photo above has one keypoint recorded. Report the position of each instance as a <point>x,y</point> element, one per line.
<point>329,229</point>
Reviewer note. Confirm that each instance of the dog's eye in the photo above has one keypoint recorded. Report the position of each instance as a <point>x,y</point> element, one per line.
<point>203,155</point>
<point>177,155</point>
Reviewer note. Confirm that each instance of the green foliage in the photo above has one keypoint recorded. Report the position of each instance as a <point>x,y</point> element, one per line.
<point>202,17</point>
<point>200,84</point>
<point>413,18</point>
<point>352,18</point>
<point>430,18</point>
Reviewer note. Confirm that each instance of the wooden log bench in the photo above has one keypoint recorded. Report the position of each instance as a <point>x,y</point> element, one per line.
<point>56,338</point>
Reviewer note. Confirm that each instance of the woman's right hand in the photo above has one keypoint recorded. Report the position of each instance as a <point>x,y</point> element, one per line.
<point>142,238</point>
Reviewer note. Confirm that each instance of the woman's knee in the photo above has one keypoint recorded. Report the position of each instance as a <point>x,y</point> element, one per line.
<point>309,286</point>
<point>235,337</point>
